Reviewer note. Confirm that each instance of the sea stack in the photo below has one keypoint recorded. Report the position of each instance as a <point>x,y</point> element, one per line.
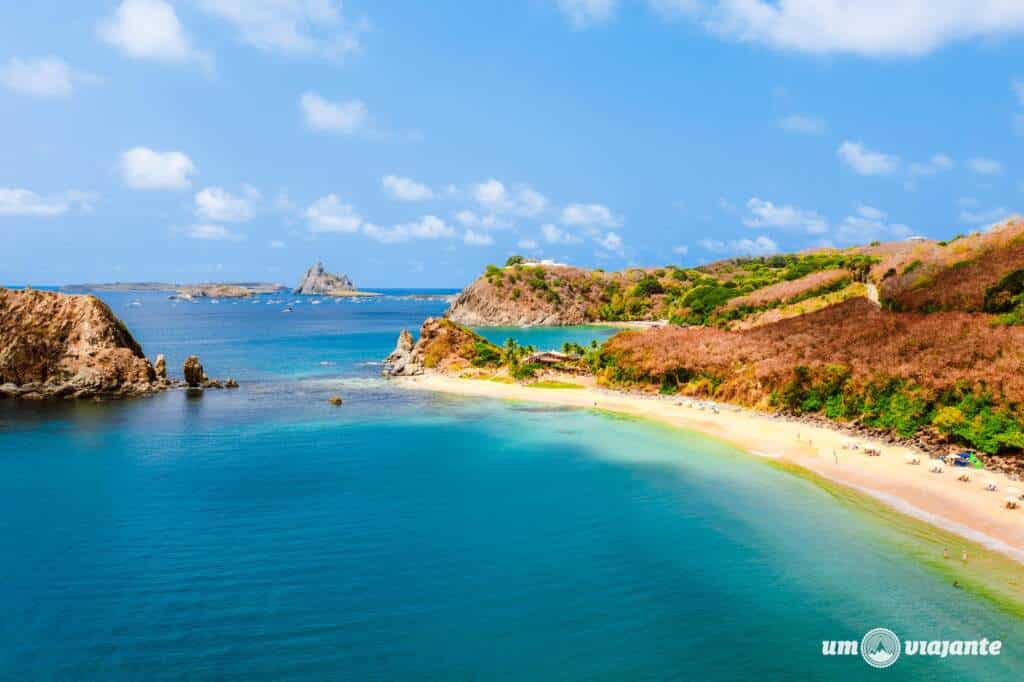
<point>195,375</point>
<point>318,282</point>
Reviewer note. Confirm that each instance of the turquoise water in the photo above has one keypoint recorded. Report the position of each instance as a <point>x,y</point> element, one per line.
<point>263,534</point>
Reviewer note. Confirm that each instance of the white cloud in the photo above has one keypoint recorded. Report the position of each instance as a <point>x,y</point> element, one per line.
<point>870,212</point>
<point>585,13</point>
<point>555,235</point>
<point>208,232</point>
<point>803,124</point>
<point>868,225</point>
<point>865,161</point>
<point>345,118</point>
<point>143,168</point>
<point>405,189</point>
<point>215,203</point>
<point>150,29</point>
<point>759,246</point>
<point>983,166</point>
<point>611,242</point>
<point>428,227</point>
<point>22,202</point>
<point>681,250</point>
<point>489,221</point>
<point>529,244</point>
<point>477,238</point>
<point>277,244</point>
<point>294,27</point>
<point>766,214</point>
<point>983,217</point>
<point>589,215</point>
<point>493,196</point>
<point>329,214</point>
<point>870,28</point>
<point>43,77</point>
<point>936,164</point>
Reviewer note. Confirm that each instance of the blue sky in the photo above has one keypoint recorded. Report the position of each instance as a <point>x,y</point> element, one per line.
<point>410,143</point>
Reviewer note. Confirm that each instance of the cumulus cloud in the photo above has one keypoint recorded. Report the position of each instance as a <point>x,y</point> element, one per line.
<point>767,214</point>
<point>473,238</point>
<point>277,244</point>
<point>150,29</point>
<point>589,215</point>
<point>983,166</point>
<point>144,168</point>
<point>294,27</point>
<point>427,227</point>
<point>803,124</point>
<point>867,225</point>
<point>493,196</point>
<point>529,244</point>
<point>488,221</point>
<point>15,201</point>
<point>343,118</point>
<point>405,189</point>
<point>555,235</point>
<point>872,28</point>
<point>330,214</point>
<point>681,250</point>
<point>759,246</point>
<point>585,13</point>
<point>43,77</point>
<point>210,232</point>
<point>216,203</point>
<point>938,163</point>
<point>866,162</point>
<point>611,241</point>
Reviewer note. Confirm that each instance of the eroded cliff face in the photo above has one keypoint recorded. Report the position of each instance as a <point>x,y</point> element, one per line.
<point>443,346</point>
<point>62,346</point>
<point>565,297</point>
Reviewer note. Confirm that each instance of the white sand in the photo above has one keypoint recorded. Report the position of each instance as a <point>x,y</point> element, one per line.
<point>966,509</point>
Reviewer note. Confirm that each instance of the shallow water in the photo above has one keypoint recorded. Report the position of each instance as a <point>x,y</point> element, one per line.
<point>264,534</point>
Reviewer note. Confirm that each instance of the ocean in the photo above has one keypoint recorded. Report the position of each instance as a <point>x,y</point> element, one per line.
<point>262,533</point>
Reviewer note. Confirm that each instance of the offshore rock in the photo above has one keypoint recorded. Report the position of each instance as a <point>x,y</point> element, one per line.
<point>318,282</point>
<point>195,376</point>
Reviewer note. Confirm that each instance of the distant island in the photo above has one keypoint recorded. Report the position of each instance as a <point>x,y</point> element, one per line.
<point>206,290</point>
<point>318,282</point>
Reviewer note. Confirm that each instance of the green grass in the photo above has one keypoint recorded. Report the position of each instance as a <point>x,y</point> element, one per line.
<point>554,384</point>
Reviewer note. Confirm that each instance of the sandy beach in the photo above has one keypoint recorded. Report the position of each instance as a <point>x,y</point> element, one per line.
<point>964,508</point>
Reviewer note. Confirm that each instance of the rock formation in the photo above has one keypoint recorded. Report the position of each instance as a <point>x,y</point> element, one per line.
<point>195,376</point>
<point>160,366</point>
<point>398,362</point>
<point>443,346</point>
<point>62,346</point>
<point>317,282</point>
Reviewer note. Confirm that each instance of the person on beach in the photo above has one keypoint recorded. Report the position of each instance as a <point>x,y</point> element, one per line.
<point>964,557</point>
<point>945,553</point>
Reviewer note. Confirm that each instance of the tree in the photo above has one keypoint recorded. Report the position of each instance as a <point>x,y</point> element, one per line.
<point>515,259</point>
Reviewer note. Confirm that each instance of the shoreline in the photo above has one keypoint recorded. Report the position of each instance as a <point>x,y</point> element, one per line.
<point>966,510</point>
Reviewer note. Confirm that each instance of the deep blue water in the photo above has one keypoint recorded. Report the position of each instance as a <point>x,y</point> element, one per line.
<point>264,534</point>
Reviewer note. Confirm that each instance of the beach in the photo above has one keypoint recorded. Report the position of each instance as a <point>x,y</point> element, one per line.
<point>966,509</point>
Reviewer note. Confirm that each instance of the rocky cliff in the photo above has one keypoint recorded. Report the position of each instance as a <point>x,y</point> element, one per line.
<point>61,346</point>
<point>318,282</point>
<point>443,346</point>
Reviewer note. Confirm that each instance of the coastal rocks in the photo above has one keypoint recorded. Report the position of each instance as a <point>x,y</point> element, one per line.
<point>195,376</point>
<point>335,400</point>
<point>160,367</point>
<point>397,363</point>
<point>62,346</point>
<point>318,282</point>
<point>443,347</point>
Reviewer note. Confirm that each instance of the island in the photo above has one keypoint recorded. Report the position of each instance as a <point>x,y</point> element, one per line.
<point>318,282</point>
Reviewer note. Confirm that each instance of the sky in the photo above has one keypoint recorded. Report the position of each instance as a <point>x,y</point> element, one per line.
<point>409,144</point>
